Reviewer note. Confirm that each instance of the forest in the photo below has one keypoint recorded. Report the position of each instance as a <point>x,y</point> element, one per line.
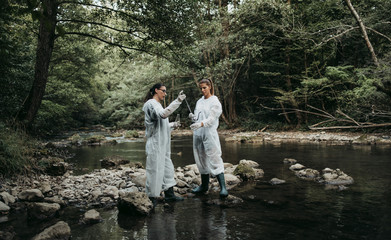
<point>280,64</point>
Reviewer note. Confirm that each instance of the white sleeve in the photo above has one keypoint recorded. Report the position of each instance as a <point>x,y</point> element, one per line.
<point>214,113</point>
<point>164,113</point>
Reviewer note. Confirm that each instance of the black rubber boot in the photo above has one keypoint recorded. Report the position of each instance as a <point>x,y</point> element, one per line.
<point>203,188</point>
<point>154,201</point>
<point>169,195</point>
<point>223,190</point>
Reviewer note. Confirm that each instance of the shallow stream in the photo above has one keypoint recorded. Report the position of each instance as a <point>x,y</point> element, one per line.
<point>298,209</point>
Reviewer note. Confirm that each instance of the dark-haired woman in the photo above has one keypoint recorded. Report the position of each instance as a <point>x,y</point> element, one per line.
<point>159,168</point>
<point>206,143</point>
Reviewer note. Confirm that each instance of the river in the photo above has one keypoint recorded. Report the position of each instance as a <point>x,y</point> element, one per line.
<point>298,209</point>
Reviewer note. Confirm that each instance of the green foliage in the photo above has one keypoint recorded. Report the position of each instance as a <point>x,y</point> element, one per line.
<point>51,118</point>
<point>354,91</point>
<point>16,149</point>
<point>17,45</point>
<point>127,84</point>
<point>72,96</point>
<point>259,51</point>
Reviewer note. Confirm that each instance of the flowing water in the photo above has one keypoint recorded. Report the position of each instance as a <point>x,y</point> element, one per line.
<point>298,209</point>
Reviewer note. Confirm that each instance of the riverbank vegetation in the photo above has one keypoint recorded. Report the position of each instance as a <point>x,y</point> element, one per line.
<point>16,151</point>
<point>275,64</point>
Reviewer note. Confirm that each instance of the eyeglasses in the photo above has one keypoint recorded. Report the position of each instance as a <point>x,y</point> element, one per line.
<point>163,90</point>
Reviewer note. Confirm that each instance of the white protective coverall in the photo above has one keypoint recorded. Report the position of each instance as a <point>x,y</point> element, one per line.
<point>159,168</point>
<point>206,142</point>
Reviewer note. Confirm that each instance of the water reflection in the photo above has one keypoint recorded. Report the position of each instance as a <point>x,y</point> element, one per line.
<point>296,210</point>
<point>207,222</point>
<point>162,224</point>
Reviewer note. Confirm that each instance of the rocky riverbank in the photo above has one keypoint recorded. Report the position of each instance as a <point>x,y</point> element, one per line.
<point>103,136</point>
<point>42,195</point>
<point>308,137</point>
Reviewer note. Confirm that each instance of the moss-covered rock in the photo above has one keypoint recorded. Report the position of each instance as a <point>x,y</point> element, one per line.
<point>131,134</point>
<point>75,139</point>
<point>245,172</point>
<point>53,166</point>
<point>95,139</point>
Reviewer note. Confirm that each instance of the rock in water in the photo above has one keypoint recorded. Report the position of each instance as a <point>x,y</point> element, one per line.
<point>136,203</point>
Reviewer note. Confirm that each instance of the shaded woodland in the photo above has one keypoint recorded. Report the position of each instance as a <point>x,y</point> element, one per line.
<point>289,64</point>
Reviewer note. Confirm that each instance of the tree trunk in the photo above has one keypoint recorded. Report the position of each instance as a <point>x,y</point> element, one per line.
<point>229,95</point>
<point>44,51</point>
<point>289,82</point>
<point>363,31</point>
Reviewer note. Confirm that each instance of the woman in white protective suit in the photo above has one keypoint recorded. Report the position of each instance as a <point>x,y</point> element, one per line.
<point>159,168</point>
<point>206,143</point>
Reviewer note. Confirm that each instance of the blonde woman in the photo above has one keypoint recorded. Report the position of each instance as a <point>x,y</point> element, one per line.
<point>206,143</point>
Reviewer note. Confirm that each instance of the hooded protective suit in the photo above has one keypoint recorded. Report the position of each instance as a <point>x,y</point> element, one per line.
<point>159,168</point>
<point>206,142</point>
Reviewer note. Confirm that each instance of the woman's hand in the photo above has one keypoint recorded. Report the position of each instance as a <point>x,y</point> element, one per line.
<point>196,126</point>
<point>175,124</point>
<point>192,117</point>
<point>181,96</point>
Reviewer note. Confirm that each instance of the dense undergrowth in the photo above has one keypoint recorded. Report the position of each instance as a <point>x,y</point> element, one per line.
<point>16,151</point>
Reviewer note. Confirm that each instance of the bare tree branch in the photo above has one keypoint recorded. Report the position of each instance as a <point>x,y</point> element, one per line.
<point>93,23</point>
<point>331,118</point>
<point>338,35</point>
<point>122,47</point>
<point>381,34</point>
<point>328,114</point>
<point>363,31</point>
<point>345,115</point>
<point>97,6</point>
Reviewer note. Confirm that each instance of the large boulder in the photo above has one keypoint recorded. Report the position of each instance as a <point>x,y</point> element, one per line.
<point>245,172</point>
<point>336,177</point>
<point>231,180</point>
<point>58,231</point>
<point>7,198</point>
<point>296,167</point>
<point>308,174</point>
<point>4,208</point>
<point>258,173</point>
<point>136,203</point>
<point>31,195</point>
<point>111,191</point>
<point>113,162</point>
<point>46,189</point>
<point>56,199</point>
<point>91,216</point>
<point>249,163</point>
<point>42,211</point>
<point>54,166</point>
<point>140,180</point>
